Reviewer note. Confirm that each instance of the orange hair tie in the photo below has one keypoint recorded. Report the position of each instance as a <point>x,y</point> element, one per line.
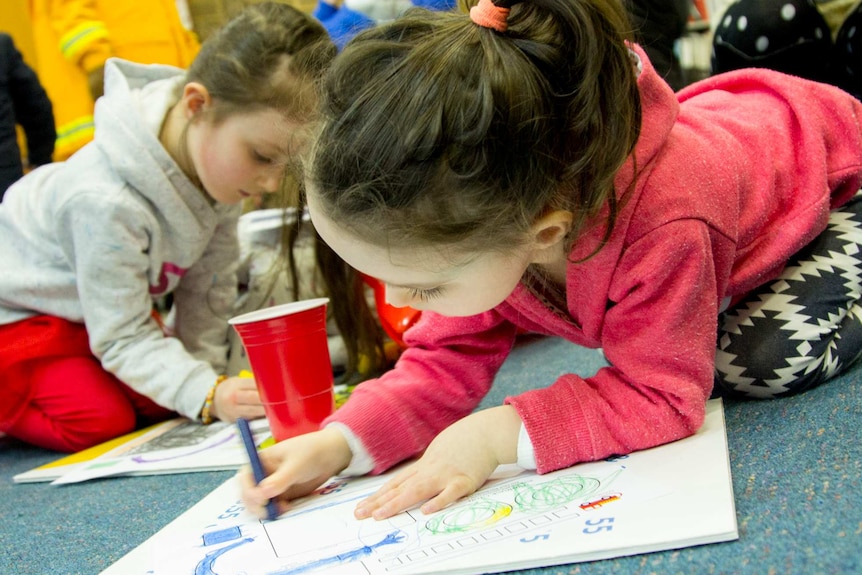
<point>488,15</point>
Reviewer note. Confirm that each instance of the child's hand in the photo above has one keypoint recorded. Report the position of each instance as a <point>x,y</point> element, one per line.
<point>457,463</point>
<point>237,397</point>
<point>294,467</point>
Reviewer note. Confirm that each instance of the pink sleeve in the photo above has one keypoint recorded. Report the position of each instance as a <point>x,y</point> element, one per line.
<point>659,338</point>
<point>447,369</point>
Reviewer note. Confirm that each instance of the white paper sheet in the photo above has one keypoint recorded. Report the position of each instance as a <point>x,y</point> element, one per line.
<point>180,446</point>
<point>672,496</point>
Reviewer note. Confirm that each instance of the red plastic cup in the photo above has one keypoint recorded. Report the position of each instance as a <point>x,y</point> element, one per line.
<point>289,355</point>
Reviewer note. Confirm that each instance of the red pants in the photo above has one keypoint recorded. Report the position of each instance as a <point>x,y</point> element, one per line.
<point>54,392</point>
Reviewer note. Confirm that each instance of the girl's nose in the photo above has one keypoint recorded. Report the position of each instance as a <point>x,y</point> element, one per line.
<point>395,296</point>
<point>270,180</point>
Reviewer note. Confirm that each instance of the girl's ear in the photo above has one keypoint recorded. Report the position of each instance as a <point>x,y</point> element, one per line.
<point>551,229</point>
<point>196,98</point>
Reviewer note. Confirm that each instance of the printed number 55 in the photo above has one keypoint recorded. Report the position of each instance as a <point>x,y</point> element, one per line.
<point>596,525</point>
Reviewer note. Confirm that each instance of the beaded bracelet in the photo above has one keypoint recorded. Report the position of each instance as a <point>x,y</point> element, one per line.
<point>206,416</point>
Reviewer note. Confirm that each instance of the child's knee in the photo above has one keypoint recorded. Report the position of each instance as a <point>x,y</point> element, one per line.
<point>75,405</point>
<point>78,435</point>
<point>789,377</point>
<point>70,432</point>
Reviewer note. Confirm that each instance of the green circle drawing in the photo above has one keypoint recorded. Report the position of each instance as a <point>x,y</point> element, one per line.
<point>475,515</point>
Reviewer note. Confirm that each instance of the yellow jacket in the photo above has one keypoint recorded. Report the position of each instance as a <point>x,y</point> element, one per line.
<point>75,37</point>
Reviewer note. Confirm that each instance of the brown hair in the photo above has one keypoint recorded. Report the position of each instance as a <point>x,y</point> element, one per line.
<point>270,56</point>
<point>438,131</point>
<point>359,327</point>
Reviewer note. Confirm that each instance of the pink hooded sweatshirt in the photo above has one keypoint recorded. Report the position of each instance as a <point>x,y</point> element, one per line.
<point>735,174</point>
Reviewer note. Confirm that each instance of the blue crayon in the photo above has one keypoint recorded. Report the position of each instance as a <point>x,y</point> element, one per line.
<point>256,466</point>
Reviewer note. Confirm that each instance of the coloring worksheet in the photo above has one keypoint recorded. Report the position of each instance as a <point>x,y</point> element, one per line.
<point>174,446</point>
<point>667,497</point>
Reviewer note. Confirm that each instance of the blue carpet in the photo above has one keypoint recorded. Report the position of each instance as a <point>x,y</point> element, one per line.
<point>796,466</point>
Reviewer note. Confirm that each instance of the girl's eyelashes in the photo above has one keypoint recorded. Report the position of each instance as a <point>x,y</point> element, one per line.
<point>260,157</point>
<point>424,294</point>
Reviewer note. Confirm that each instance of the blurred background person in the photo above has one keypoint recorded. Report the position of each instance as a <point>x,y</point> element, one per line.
<point>818,41</point>
<point>23,102</point>
<point>343,19</point>
<point>74,38</point>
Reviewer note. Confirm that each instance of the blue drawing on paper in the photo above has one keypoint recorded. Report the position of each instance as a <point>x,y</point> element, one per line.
<point>222,535</point>
<point>347,557</point>
<point>205,567</point>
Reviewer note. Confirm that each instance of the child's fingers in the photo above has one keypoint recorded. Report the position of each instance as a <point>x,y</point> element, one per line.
<point>371,503</point>
<point>254,501</point>
<point>255,496</point>
<point>398,498</point>
<point>294,468</point>
<point>245,478</point>
<point>249,412</point>
<point>244,392</point>
<point>402,500</point>
<point>258,507</point>
<point>247,397</point>
<point>453,492</point>
<point>285,476</point>
<point>248,385</point>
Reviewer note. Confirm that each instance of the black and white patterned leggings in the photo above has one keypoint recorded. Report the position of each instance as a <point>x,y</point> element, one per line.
<point>791,36</point>
<point>804,327</point>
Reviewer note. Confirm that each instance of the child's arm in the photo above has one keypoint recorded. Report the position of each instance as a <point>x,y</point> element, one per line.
<point>84,39</point>
<point>32,107</point>
<point>107,238</point>
<point>659,335</point>
<point>206,297</point>
<point>447,369</point>
<point>456,464</point>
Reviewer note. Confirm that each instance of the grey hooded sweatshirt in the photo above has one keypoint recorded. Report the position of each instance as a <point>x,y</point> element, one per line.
<point>97,238</point>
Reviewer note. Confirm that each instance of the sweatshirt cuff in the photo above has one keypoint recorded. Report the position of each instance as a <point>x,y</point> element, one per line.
<point>190,398</point>
<point>526,455</point>
<point>94,59</point>
<point>86,45</point>
<point>361,462</point>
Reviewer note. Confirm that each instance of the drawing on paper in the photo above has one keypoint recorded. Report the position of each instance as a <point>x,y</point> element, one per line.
<point>668,497</point>
<point>601,501</point>
<point>508,508</point>
<point>347,557</point>
<point>198,441</point>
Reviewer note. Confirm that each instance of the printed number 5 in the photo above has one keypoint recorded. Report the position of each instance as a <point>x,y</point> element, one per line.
<point>534,538</point>
<point>596,525</point>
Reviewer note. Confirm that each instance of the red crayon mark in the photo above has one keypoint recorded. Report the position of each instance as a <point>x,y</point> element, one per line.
<point>600,502</point>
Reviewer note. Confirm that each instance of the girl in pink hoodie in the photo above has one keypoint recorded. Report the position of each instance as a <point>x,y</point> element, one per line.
<point>524,167</point>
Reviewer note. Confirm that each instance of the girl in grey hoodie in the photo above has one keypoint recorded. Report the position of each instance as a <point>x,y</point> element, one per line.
<point>148,209</point>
